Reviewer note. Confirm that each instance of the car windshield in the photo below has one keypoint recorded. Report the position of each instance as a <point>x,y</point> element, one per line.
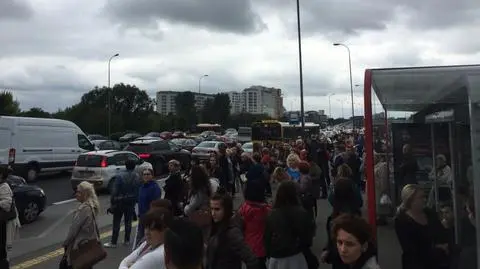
<point>138,148</point>
<point>207,145</point>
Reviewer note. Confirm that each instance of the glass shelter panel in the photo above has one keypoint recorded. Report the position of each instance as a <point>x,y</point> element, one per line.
<point>422,166</point>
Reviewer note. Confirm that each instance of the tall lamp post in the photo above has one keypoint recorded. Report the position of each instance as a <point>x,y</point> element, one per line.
<point>300,68</point>
<point>330,105</point>
<point>200,82</point>
<point>109,96</point>
<point>351,82</point>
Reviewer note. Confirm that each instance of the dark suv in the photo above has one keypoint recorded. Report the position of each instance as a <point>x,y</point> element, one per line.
<point>158,153</point>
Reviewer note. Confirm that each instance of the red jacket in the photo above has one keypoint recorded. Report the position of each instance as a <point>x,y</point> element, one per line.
<point>254,217</point>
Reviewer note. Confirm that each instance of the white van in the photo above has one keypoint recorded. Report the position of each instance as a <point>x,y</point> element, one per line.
<point>34,145</point>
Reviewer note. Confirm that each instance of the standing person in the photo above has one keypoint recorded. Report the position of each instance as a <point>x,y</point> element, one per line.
<point>6,200</point>
<point>174,187</point>
<point>253,216</point>
<point>183,245</point>
<point>288,231</point>
<point>122,203</point>
<point>84,226</point>
<point>226,168</point>
<point>226,247</point>
<point>149,192</point>
<point>318,184</point>
<point>150,254</point>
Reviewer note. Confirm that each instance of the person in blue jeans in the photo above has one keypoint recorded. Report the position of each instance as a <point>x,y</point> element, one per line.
<point>149,192</point>
<point>123,198</point>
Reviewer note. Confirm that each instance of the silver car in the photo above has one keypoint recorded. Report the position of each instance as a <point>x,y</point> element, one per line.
<point>203,150</point>
<point>247,147</point>
<point>101,167</point>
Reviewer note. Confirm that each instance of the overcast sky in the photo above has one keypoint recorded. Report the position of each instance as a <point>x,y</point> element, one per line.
<point>53,51</point>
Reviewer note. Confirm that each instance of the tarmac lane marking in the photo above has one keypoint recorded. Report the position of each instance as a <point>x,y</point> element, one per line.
<point>59,252</point>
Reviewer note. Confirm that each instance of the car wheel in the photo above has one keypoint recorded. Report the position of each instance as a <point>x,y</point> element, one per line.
<point>30,212</point>
<point>32,173</point>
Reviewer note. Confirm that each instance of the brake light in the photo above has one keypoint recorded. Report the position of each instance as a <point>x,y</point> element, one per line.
<point>11,156</point>
<point>144,155</point>
<point>104,162</point>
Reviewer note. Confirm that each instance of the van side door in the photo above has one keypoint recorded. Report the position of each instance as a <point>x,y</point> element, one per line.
<point>5,145</point>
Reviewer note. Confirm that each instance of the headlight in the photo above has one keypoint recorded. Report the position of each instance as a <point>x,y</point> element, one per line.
<point>42,193</point>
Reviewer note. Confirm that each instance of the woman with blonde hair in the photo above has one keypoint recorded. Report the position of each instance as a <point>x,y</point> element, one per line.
<point>84,226</point>
<point>421,235</point>
<point>292,166</point>
<point>344,171</point>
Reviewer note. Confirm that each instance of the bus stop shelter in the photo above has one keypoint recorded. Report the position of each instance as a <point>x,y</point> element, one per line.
<point>445,96</point>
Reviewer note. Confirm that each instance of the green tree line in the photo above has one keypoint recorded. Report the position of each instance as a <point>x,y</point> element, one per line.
<point>133,110</point>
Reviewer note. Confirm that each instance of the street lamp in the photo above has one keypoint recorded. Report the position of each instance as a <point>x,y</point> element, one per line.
<point>109,96</point>
<point>351,83</point>
<point>200,82</point>
<point>330,105</point>
<point>300,68</point>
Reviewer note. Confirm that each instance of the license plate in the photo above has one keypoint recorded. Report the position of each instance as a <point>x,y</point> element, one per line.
<point>86,174</point>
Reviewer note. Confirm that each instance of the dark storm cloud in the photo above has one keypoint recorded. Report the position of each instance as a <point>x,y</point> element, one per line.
<point>350,17</point>
<point>235,16</point>
<point>15,10</point>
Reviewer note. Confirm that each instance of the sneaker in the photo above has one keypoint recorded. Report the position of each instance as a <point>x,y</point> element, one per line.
<point>110,245</point>
<point>126,243</point>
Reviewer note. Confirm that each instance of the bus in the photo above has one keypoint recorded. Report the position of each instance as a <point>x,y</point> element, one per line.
<point>276,131</point>
<point>202,127</point>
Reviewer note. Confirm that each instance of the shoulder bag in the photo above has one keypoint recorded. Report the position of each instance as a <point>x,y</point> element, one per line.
<point>89,253</point>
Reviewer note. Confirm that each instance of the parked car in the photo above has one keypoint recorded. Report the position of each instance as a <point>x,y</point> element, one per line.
<point>178,134</point>
<point>35,145</point>
<point>101,167</point>
<point>247,147</point>
<point>107,145</point>
<point>129,137</point>
<point>30,200</point>
<point>159,153</point>
<point>93,137</point>
<point>153,134</point>
<point>185,143</point>
<point>203,150</point>
<point>166,135</point>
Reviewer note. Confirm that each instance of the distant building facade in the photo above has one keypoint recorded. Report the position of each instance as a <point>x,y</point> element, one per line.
<point>166,101</point>
<point>253,100</point>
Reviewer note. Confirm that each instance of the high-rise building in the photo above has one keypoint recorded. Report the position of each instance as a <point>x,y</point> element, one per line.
<point>254,100</point>
<point>237,102</point>
<point>166,101</point>
<point>263,100</point>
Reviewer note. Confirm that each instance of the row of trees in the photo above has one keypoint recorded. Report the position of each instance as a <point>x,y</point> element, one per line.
<point>133,110</point>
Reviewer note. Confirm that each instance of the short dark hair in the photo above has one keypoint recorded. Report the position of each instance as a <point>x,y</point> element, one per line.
<point>257,157</point>
<point>354,225</point>
<point>286,195</point>
<point>162,203</point>
<point>130,165</point>
<point>184,244</point>
<point>158,218</point>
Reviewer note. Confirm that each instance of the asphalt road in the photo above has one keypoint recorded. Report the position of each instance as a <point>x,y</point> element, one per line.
<point>40,250</point>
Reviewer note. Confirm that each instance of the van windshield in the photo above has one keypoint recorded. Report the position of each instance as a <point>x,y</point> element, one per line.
<point>89,160</point>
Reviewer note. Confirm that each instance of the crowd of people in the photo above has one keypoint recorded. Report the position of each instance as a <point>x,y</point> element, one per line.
<point>192,222</point>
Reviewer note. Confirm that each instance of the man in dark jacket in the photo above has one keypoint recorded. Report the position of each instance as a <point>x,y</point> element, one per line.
<point>122,202</point>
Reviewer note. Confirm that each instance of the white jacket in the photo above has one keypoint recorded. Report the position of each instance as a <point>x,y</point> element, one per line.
<point>152,260</point>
